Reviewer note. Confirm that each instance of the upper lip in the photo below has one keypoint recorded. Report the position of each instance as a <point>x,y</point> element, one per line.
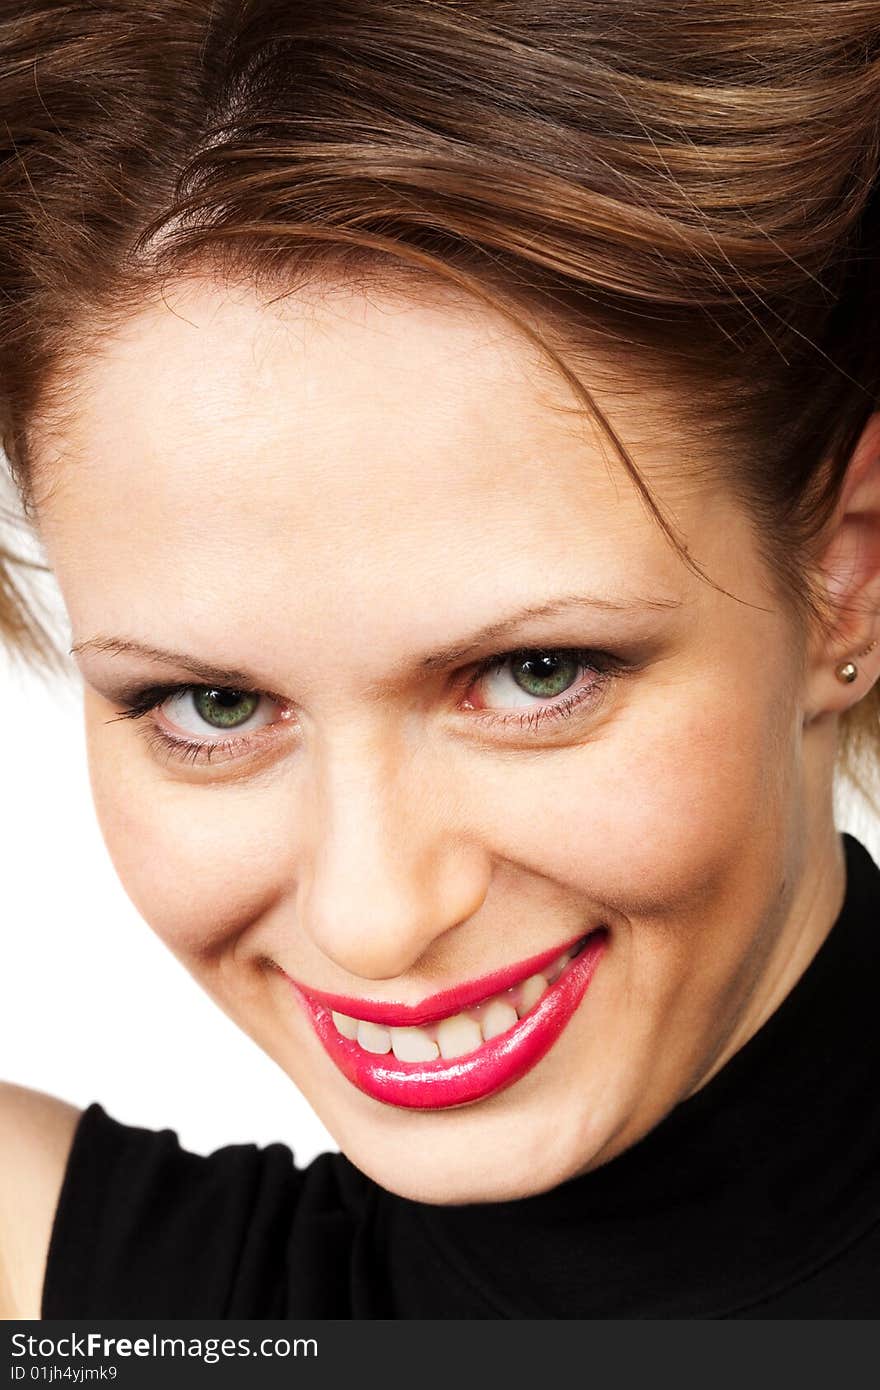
<point>447,1001</point>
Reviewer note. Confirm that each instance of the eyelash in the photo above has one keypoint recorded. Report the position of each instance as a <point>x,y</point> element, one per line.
<point>602,665</point>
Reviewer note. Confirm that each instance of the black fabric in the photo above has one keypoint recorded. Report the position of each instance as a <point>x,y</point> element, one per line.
<point>757,1197</point>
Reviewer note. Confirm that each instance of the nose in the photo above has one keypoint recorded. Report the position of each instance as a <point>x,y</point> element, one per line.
<point>391,867</point>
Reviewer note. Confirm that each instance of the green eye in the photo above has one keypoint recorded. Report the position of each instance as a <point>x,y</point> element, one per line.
<point>545,675</point>
<point>225,709</point>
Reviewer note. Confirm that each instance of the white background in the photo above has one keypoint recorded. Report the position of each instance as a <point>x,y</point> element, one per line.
<point>92,1006</point>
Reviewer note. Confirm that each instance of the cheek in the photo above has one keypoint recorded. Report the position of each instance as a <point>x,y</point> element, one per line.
<point>678,801</point>
<point>198,867</point>
<point>709,793</point>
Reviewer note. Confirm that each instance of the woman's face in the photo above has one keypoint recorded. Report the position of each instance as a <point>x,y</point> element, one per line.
<point>342,503</point>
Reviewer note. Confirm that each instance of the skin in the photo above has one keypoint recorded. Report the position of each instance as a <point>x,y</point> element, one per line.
<point>329,489</point>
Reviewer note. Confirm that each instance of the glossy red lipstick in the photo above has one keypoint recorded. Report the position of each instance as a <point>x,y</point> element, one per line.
<point>453,1081</point>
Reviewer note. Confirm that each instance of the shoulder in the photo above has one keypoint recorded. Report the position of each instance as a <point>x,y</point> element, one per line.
<point>36,1134</point>
<point>100,1217</point>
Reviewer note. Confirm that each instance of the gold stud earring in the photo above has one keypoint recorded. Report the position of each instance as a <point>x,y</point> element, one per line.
<point>847,671</point>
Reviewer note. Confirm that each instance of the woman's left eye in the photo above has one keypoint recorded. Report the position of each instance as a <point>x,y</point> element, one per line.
<point>552,675</point>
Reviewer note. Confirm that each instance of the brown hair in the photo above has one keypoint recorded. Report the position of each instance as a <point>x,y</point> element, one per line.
<point>687,191</point>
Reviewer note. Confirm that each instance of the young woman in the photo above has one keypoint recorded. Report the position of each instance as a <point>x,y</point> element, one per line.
<point>480,771</point>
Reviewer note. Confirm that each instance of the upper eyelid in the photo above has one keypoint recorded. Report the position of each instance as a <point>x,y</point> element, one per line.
<point>147,697</point>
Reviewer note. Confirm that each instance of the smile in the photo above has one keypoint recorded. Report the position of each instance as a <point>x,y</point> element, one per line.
<point>462,1044</point>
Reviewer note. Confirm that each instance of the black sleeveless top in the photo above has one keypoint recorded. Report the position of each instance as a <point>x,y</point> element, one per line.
<point>759,1196</point>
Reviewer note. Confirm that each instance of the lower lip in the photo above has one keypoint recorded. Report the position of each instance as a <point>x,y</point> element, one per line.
<point>450,1081</point>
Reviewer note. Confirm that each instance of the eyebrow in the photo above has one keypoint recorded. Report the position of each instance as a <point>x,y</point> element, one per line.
<point>224,675</point>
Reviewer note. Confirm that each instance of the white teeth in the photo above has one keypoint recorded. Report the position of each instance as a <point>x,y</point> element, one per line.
<point>458,1035</point>
<point>373,1038</point>
<point>454,1037</point>
<point>497,1018</point>
<point>530,992</point>
<point>413,1045</point>
<point>558,966</point>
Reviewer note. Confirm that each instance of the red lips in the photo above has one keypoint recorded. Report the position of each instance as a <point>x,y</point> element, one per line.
<point>447,1002</point>
<point>455,1081</point>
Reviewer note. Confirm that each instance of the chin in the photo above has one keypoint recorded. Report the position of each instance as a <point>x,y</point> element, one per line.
<point>437,1188</point>
<point>462,1173</point>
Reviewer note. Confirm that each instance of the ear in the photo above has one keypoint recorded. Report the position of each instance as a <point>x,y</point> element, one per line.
<point>850,577</point>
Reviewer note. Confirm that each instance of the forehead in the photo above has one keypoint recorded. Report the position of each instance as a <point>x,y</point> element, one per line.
<point>333,445</point>
<point>321,376</point>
